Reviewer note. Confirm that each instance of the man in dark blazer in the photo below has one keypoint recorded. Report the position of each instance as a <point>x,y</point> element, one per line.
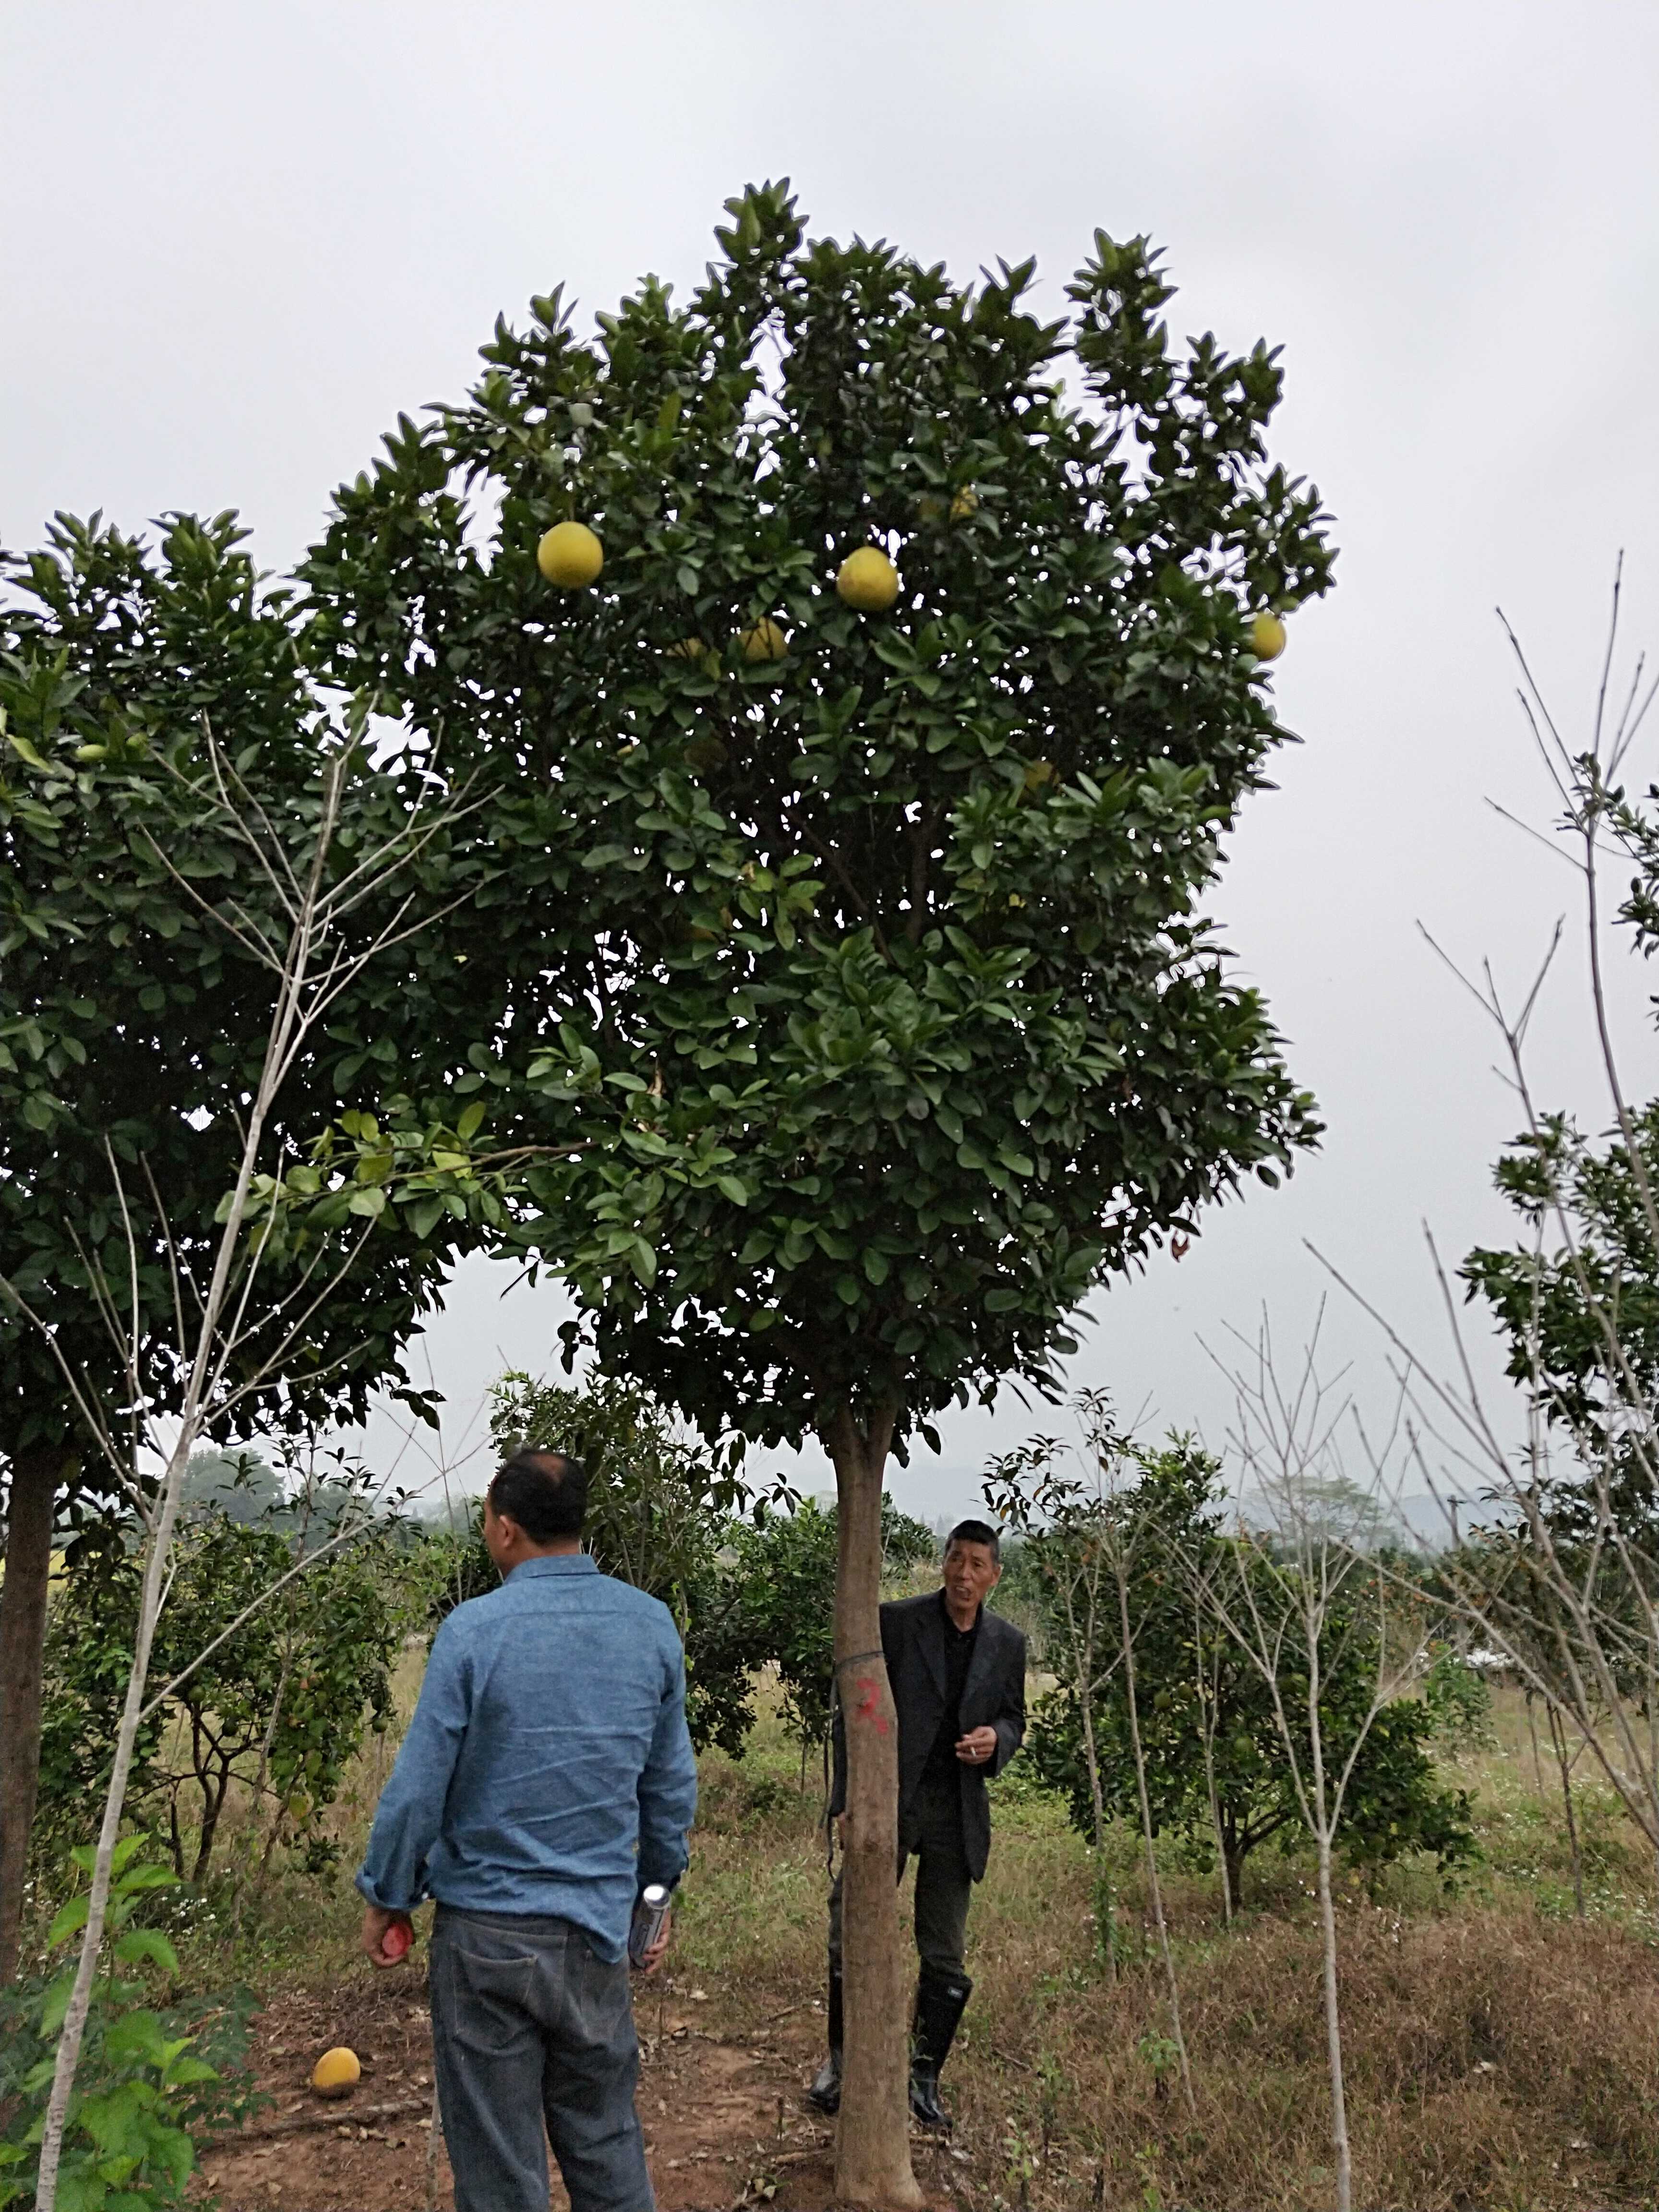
<point>958,1681</point>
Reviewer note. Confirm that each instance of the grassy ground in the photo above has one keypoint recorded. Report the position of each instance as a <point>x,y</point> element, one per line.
<point>1501,2052</point>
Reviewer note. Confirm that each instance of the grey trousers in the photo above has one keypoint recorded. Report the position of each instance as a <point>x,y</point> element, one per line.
<point>532,2034</point>
<point>944,1885</point>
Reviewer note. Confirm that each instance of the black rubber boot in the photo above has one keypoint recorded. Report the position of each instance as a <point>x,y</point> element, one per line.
<point>940,1999</point>
<point>825,2092</point>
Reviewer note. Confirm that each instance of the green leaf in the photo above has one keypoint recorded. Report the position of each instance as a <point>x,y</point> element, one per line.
<point>69,1920</point>
<point>140,1946</point>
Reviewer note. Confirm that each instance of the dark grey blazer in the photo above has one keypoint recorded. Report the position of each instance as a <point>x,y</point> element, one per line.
<point>994,1696</point>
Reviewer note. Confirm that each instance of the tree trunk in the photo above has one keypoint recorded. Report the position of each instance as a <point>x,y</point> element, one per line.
<point>1152,1882</point>
<point>1559,1743</point>
<point>22,1639</point>
<point>1333,2031</point>
<point>872,2144</point>
<point>1232,1871</point>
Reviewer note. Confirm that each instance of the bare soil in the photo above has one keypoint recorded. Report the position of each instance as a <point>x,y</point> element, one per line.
<point>725,2121</point>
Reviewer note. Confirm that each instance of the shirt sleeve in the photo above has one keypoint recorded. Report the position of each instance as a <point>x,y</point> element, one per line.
<point>668,1783</point>
<point>410,1814</point>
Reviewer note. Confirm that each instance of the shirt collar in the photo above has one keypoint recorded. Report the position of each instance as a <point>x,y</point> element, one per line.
<point>951,1624</point>
<point>559,1562</point>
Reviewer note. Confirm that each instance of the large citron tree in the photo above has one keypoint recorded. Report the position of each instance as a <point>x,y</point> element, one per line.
<point>878,993</point>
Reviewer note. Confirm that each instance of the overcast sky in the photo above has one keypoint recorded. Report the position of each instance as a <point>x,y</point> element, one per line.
<point>237,241</point>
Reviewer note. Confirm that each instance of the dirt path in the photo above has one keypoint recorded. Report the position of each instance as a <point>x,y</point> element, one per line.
<point>726,2125</point>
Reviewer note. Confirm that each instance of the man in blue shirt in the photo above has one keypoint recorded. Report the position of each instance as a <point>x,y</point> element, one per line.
<point>546,1778</point>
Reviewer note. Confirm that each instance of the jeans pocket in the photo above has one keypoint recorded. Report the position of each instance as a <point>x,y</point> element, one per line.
<point>603,1994</point>
<point>491,2010</point>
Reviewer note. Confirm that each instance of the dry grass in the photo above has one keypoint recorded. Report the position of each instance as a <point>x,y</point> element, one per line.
<point>1500,2052</point>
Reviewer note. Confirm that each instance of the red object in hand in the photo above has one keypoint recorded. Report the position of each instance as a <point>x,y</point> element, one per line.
<point>396,1939</point>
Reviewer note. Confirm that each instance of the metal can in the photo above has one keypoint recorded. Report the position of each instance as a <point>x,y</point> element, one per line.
<point>649,1913</point>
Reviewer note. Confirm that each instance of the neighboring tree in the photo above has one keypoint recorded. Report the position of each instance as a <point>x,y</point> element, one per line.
<point>288,1230</point>
<point>1214,1759</point>
<point>1215,1765</point>
<point>1336,1638</point>
<point>280,1707</point>
<point>901,1029</point>
<point>1563,1577</point>
<point>134,1025</point>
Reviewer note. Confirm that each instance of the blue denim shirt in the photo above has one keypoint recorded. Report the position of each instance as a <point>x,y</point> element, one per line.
<point>547,1769</point>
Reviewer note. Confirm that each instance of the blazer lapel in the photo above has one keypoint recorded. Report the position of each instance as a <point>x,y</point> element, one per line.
<point>929,1634</point>
<point>980,1667</point>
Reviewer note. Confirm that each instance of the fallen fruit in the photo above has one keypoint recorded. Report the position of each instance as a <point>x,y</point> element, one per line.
<point>868,580</point>
<point>1267,636</point>
<point>570,556</point>
<point>336,2072</point>
<point>767,640</point>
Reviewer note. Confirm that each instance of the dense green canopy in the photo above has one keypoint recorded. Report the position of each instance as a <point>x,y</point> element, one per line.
<point>873,975</point>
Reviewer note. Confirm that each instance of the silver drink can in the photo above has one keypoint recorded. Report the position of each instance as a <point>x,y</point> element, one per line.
<point>649,1914</point>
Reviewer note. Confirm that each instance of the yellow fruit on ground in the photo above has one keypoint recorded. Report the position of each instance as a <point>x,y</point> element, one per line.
<point>868,580</point>
<point>965,503</point>
<point>336,2072</point>
<point>767,640</point>
<point>570,556</point>
<point>1267,636</point>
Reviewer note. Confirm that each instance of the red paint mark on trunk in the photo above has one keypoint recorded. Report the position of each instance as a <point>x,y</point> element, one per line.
<point>869,1699</point>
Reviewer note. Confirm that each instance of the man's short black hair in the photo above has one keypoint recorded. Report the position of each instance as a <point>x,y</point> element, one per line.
<point>544,1492</point>
<point>969,1532</point>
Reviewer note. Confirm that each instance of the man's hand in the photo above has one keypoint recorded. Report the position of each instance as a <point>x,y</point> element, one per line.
<point>387,1936</point>
<point>651,1959</point>
<point>978,1747</point>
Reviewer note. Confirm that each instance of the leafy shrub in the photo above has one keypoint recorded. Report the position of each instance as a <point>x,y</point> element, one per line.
<point>149,2082</point>
<point>1458,1700</point>
<point>286,1700</point>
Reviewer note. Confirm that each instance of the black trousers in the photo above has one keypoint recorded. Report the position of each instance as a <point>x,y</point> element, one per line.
<point>944,1885</point>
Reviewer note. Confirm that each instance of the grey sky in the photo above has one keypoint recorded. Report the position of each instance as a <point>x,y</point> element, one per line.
<point>239,240</point>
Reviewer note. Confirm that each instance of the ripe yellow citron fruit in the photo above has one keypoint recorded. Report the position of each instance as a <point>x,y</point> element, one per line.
<point>336,2072</point>
<point>570,556</point>
<point>868,580</point>
<point>1267,636</point>
<point>693,648</point>
<point>767,641</point>
<point>965,503</point>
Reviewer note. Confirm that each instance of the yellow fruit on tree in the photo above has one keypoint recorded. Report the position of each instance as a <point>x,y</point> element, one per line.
<point>965,503</point>
<point>336,2072</point>
<point>570,556</point>
<point>767,640</point>
<point>1267,636</point>
<point>868,580</point>
<point>693,648</point>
